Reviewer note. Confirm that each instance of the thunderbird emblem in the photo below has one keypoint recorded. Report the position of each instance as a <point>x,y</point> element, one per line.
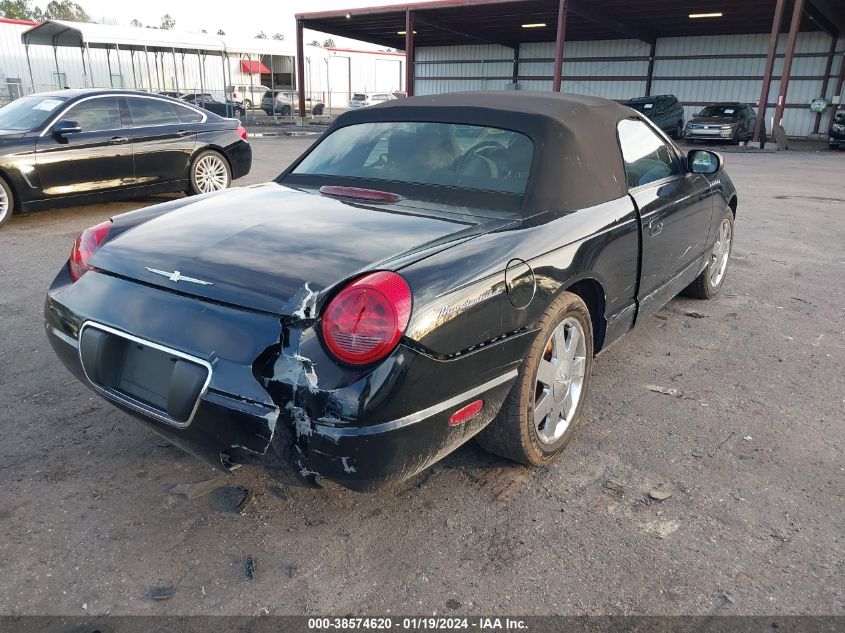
<point>176,277</point>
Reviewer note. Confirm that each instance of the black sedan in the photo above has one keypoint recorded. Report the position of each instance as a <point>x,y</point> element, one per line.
<point>728,122</point>
<point>433,269</point>
<point>81,146</point>
<point>232,109</point>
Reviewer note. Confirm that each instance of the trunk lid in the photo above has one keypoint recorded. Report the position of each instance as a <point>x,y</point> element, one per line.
<point>258,246</point>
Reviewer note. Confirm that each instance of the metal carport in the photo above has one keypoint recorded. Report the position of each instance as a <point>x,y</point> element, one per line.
<point>517,24</point>
<point>85,36</point>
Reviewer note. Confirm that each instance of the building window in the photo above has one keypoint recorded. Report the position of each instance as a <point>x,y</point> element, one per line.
<point>60,80</point>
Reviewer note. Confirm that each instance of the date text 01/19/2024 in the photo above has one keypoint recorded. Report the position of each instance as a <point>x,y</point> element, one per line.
<point>418,623</point>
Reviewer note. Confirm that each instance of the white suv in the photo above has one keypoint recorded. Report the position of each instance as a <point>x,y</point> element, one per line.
<point>360,100</point>
<point>250,96</point>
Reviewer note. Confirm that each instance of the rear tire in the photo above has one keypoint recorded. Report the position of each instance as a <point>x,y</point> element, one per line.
<point>247,104</point>
<point>708,284</point>
<point>318,109</point>
<point>7,202</point>
<point>679,131</point>
<point>287,111</point>
<point>210,171</point>
<point>553,382</point>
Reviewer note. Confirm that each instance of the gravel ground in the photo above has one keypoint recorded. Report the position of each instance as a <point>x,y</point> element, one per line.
<point>735,406</point>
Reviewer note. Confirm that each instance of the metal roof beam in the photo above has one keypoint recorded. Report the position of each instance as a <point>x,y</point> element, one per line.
<point>580,8</point>
<point>464,33</point>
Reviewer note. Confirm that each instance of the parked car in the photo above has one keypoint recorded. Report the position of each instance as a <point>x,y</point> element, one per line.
<point>81,146</point>
<point>230,109</point>
<point>836,139</point>
<point>665,111</point>
<point>432,269</point>
<point>172,93</point>
<point>249,95</point>
<point>360,100</point>
<point>287,103</point>
<point>731,122</point>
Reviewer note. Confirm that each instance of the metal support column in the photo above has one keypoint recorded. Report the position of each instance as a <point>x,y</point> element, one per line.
<point>794,27</point>
<point>300,69</point>
<point>202,74</point>
<point>515,72</point>
<point>134,75</point>
<point>648,81</point>
<point>149,74</point>
<point>230,112</point>
<point>119,64</point>
<point>409,54</point>
<point>767,73</point>
<point>84,67</point>
<point>29,65</point>
<point>560,39</point>
<point>826,81</point>
<point>176,71</point>
<point>108,62</point>
<point>56,58</point>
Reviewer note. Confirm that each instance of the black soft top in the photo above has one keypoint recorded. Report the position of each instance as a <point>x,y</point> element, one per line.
<point>577,162</point>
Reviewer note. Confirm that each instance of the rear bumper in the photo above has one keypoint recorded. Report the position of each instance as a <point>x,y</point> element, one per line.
<point>240,159</point>
<point>835,141</point>
<point>259,406</point>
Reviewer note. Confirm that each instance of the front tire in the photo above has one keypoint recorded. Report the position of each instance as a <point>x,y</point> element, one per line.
<point>709,282</point>
<point>210,171</point>
<point>318,109</point>
<point>7,202</point>
<point>539,416</point>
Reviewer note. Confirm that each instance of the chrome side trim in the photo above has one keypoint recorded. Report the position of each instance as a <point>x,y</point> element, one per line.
<point>419,416</point>
<point>132,402</point>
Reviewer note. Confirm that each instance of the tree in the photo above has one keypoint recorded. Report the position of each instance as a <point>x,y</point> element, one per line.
<point>136,23</point>
<point>221,32</point>
<point>15,9</point>
<point>278,36</point>
<point>66,10</point>
<point>167,22</point>
<point>261,36</point>
<point>329,43</point>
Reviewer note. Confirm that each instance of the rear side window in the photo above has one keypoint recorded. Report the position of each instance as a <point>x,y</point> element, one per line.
<point>152,112</point>
<point>647,158</point>
<point>96,115</point>
<point>440,154</point>
<point>187,115</point>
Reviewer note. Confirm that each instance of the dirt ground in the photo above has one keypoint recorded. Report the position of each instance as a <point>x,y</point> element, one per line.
<point>735,406</point>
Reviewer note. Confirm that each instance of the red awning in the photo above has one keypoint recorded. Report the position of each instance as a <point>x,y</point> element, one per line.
<point>254,68</point>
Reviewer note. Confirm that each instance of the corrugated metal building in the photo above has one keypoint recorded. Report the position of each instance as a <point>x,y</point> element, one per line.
<point>187,62</point>
<point>617,49</point>
<point>617,69</point>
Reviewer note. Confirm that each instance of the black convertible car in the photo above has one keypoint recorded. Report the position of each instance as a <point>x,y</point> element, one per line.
<point>81,146</point>
<point>433,269</point>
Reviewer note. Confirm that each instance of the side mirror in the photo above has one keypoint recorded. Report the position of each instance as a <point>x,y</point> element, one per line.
<point>63,128</point>
<point>702,161</point>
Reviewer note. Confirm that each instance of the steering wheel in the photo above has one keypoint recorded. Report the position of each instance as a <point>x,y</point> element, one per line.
<point>474,152</point>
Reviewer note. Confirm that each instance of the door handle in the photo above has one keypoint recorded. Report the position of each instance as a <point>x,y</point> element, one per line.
<point>655,227</point>
<point>118,140</point>
<point>184,133</point>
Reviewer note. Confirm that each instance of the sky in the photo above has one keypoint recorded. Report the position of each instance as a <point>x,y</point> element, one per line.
<point>245,19</point>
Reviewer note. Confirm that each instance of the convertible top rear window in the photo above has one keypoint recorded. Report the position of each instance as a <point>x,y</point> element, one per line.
<point>442,154</point>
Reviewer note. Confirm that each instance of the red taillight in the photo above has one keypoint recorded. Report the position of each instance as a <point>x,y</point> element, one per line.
<point>365,320</point>
<point>242,132</point>
<point>83,248</point>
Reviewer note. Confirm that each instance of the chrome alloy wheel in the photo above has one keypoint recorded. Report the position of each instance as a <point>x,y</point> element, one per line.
<point>560,380</point>
<point>5,204</point>
<point>210,174</point>
<point>721,253</point>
